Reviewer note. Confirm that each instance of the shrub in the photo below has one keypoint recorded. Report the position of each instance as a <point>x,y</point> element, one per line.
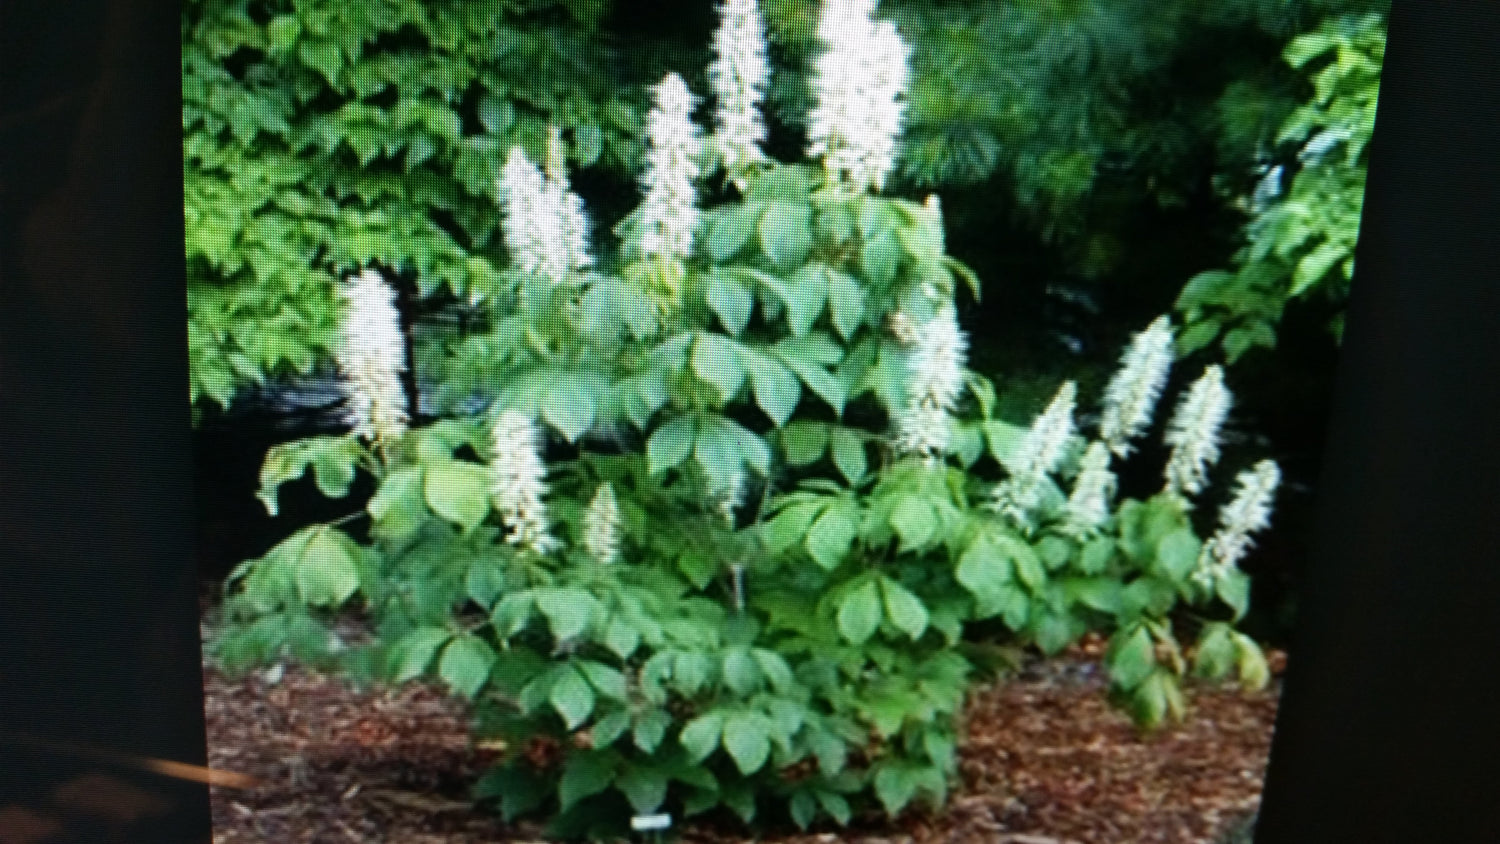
<point>723,535</point>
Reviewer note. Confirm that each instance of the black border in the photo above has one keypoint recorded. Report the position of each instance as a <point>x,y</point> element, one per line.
<point>1388,729</point>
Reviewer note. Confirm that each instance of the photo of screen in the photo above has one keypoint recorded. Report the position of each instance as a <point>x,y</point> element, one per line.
<point>760,420</point>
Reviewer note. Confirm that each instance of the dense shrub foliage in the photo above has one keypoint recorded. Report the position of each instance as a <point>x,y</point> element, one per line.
<point>735,526</point>
<point>1304,215</point>
<point>322,136</point>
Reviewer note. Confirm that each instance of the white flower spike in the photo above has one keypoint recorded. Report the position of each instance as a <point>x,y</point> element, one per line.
<point>519,482</point>
<point>739,74</point>
<point>1132,394</point>
<point>1248,512</point>
<point>1038,455</point>
<point>601,526</point>
<point>859,84</point>
<point>935,381</point>
<point>1194,433</point>
<point>1088,505</point>
<point>669,211</point>
<point>543,221</point>
<point>372,357</point>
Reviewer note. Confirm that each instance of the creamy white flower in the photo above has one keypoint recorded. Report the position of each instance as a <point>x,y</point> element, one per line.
<point>935,381</point>
<point>669,211</point>
<point>739,74</point>
<point>1132,394</point>
<point>1194,433</point>
<point>1088,505</point>
<point>601,526</point>
<point>923,430</point>
<point>544,224</point>
<point>1038,455</point>
<point>519,481</point>
<point>566,206</point>
<point>859,84</point>
<point>1248,512</point>
<point>372,357</point>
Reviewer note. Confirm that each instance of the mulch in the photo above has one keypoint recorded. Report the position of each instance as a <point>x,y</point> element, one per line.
<point>1046,760</point>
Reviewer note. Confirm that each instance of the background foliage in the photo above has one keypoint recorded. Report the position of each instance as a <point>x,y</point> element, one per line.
<point>321,135</point>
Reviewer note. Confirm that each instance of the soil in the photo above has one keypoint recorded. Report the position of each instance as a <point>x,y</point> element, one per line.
<point>1046,761</point>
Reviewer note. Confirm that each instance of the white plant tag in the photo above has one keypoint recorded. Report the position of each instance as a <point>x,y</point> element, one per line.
<point>642,823</point>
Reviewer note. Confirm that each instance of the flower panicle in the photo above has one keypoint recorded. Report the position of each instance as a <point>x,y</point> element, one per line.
<point>1131,397</point>
<point>935,380</point>
<point>859,83</point>
<point>519,481</point>
<point>601,526</point>
<point>1193,433</point>
<point>545,227</point>
<point>372,357</point>
<point>669,211</point>
<point>1039,455</point>
<point>1247,513</point>
<point>739,75</point>
<point>1088,506</point>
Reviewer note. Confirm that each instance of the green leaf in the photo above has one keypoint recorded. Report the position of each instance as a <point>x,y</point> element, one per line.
<point>832,536</point>
<point>622,638</point>
<point>836,806</point>
<point>804,295</point>
<point>466,664</point>
<point>1215,654</point>
<point>747,738</point>
<point>776,669</point>
<point>605,680</point>
<point>326,573</point>
<point>607,730</point>
<point>569,407</point>
<point>846,303</point>
<point>859,614</point>
<point>777,390</point>
<point>848,454</point>
<point>701,736</point>
<point>485,581</point>
<point>568,610</point>
<point>1198,335</point>
<point>412,653</point>
<point>1177,554</point>
<point>1233,588</point>
<point>645,788</point>
<point>1096,555</point>
<point>731,302</point>
<point>881,257</point>
<point>650,729</point>
<point>914,521</point>
<point>1132,658</point>
<point>670,444</point>
<point>804,442</point>
<point>786,233</point>
<point>459,492</point>
<point>585,775</point>
<point>984,570</point>
<point>895,786</point>
<point>904,609</point>
<point>731,231</point>
<point>1053,632</point>
<point>803,808</point>
<point>571,696</point>
<point>496,113</point>
<point>741,674</point>
<point>1254,673</point>
<point>715,360</point>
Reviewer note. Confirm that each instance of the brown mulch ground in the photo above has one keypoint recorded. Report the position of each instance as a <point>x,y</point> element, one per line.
<point>1047,761</point>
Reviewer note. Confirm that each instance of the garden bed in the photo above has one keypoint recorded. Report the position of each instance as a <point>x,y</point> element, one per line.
<point>1046,761</point>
